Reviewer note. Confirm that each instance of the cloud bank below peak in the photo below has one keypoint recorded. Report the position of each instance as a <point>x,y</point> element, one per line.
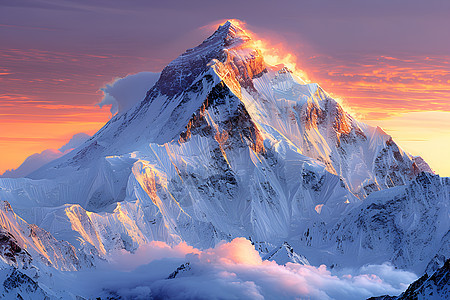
<point>232,270</point>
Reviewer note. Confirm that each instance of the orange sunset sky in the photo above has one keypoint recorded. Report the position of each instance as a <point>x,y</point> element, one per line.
<point>388,68</point>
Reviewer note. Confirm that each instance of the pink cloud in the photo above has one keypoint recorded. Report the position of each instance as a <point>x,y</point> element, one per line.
<point>379,86</point>
<point>235,269</point>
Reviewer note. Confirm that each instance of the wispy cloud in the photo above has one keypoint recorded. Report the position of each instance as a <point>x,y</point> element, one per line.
<point>380,86</point>
<point>27,27</point>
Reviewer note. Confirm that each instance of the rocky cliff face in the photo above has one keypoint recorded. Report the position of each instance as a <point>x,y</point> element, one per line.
<point>10,251</point>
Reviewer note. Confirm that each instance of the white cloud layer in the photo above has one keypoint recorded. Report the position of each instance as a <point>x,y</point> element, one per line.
<point>125,92</point>
<point>232,270</point>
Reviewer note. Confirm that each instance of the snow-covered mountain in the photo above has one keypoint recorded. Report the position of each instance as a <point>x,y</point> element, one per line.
<point>224,146</point>
<point>406,225</point>
<point>277,105</point>
<point>21,242</point>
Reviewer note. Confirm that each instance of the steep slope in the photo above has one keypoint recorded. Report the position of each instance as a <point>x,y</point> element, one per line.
<point>30,256</point>
<point>320,129</point>
<point>406,225</point>
<point>21,243</point>
<point>18,285</point>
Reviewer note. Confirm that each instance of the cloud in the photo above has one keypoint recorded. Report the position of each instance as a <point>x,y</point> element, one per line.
<point>125,92</point>
<point>378,86</point>
<point>37,160</point>
<point>75,141</point>
<point>155,250</point>
<point>233,270</point>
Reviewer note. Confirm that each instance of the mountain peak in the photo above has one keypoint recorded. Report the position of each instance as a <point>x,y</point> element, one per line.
<point>230,30</point>
<point>226,36</point>
<point>182,71</point>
